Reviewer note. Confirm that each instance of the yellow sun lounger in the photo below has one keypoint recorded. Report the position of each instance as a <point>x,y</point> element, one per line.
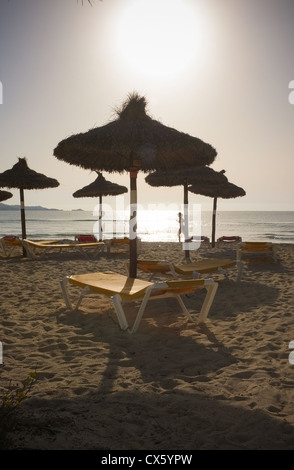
<point>256,248</point>
<point>37,250</point>
<point>190,270</point>
<point>121,289</point>
<point>9,244</point>
<point>117,244</point>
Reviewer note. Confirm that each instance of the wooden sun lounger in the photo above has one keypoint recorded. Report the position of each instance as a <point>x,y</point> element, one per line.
<point>120,289</point>
<point>190,270</point>
<point>37,250</point>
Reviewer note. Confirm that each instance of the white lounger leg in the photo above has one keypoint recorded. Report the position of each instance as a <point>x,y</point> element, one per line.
<point>64,288</point>
<point>141,309</point>
<point>183,307</point>
<point>116,299</point>
<point>211,288</point>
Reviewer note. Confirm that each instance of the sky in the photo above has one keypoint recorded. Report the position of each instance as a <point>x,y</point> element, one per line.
<point>219,70</point>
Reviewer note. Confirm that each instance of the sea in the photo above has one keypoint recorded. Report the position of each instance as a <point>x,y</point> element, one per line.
<point>152,225</point>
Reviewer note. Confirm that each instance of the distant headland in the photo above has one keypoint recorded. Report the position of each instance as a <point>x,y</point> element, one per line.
<point>16,207</point>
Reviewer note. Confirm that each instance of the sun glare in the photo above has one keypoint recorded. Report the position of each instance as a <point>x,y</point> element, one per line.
<point>159,37</point>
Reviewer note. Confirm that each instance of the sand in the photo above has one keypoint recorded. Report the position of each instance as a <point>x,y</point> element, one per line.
<point>174,385</point>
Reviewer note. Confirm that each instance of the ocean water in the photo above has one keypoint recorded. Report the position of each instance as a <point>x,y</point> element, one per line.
<point>152,225</point>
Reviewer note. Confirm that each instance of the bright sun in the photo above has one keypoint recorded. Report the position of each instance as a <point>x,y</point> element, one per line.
<point>160,38</point>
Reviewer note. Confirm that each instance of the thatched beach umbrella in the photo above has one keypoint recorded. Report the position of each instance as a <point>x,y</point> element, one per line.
<point>22,177</point>
<point>134,142</point>
<point>197,176</point>
<point>5,195</point>
<point>100,187</point>
<point>226,191</point>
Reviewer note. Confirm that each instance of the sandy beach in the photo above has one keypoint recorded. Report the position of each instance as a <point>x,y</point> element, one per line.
<point>173,385</point>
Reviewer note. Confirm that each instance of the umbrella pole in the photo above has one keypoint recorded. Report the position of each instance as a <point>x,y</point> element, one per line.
<point>23,219</point>
<point>213,222</point>
<point>186,221</point>
<point>133,222</point>
<point>100,218</point>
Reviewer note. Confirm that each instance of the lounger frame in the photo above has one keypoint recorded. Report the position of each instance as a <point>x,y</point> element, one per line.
<point>190,270</point>
<point>256,249</point>
<point>9,244</point>
<point>38,250</point>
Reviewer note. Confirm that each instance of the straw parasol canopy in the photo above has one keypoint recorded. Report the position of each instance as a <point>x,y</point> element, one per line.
<point>226,190</point>
<point>100,187</point>
<point>189,176</point>
<point>134,142</point>
<point>5,195</point>
<point>22,177</point>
